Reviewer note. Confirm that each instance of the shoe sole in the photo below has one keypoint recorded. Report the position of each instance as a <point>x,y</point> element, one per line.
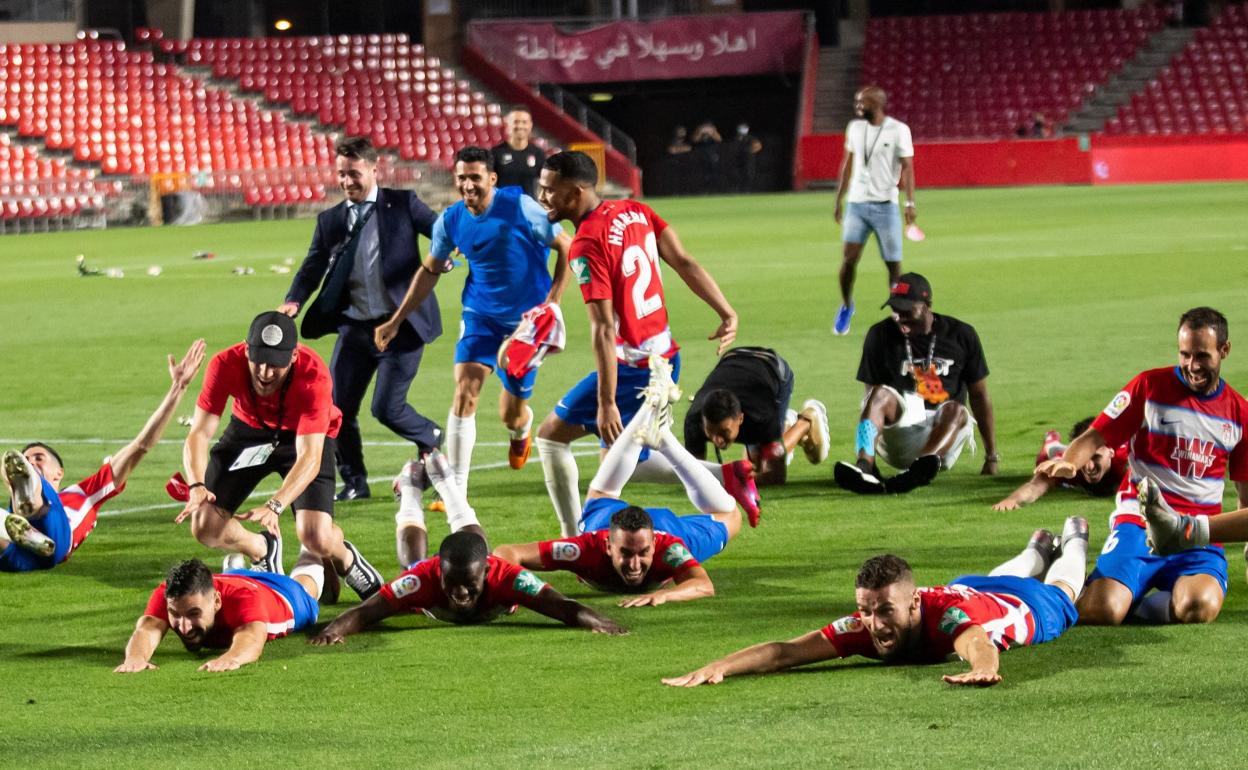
<point>17,476</point>
<point>24,535</point>
<point>819,443</point>
<point>852,480</point>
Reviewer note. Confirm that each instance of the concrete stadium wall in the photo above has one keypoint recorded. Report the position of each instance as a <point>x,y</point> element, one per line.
<point>38,32</point>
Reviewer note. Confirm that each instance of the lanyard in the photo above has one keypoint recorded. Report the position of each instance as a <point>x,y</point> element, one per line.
<point>866,160</point>
<point>281,407</point>
<point>931,351</point>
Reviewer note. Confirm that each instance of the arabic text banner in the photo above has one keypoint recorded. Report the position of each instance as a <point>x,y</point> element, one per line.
<point>674,47</point>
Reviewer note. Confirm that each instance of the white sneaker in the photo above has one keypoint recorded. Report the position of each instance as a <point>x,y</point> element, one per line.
<point>438,468</point>
<point>817,443</point>
<point>790,419</point>
<point>24,482</point>
<point>659,394</point>
<point>235,561</point>
<point>412,476</point>
<point>22,533</point>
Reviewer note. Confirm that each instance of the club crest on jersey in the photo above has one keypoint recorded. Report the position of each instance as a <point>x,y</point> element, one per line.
<point>847,625</point>
<point>565,551</point>
<point>408,584</point>
<point>580,266</point>
<point>528,583</point>
<point>676,555</point>
<point>1228,434</point>
<point>1118,405</point>
<point>953,617</point>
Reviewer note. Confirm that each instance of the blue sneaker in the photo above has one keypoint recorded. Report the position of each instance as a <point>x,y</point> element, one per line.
<point>843,317</point>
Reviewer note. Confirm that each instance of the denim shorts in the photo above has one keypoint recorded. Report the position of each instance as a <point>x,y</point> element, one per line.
<point>882,218</point>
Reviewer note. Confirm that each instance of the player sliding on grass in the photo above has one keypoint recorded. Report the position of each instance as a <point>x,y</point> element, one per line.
<point>1186,429</point>
<point>624,548</point>
<point>237,611</point>
<point>47,526</point>
<point>1100,476</point>
<point>465,584</point>
<point>615,256</point>
<point>1025,601</point>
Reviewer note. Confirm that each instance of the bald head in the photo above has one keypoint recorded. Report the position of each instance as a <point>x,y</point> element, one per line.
<point>869,103</point>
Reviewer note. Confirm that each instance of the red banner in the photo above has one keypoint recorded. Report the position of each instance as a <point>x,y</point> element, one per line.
<point>674,47</point>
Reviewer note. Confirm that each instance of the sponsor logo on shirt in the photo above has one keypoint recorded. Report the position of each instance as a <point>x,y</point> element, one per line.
<point>847,625</point>
<point>407,584</point>
<point>1118,405</point>
<point>528,583</point>
<point>565,551</point>
<point>580,266</point>
<point>676,555</point>
<point>953,617</point>
<point>1198,456</point>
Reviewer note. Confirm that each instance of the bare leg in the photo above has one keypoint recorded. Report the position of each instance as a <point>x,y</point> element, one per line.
<point>951,418</point>
<point>1105,602</point>
<point>320,535</point>
<point>215,527</point>
<point>881,410</point>
<point>1196,599</point>
<point>849,271</point>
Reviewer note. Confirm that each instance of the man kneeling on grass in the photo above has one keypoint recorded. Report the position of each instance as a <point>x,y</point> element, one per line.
<point>465,584</point>
<point>1029,599</point>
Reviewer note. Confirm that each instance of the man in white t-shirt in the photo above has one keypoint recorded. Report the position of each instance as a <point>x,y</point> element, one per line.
<point>878,153</point>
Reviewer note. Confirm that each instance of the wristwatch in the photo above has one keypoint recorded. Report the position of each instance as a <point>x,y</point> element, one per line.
<point>275,505</point>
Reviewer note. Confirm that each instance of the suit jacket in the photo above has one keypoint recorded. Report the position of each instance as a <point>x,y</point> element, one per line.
<point>400,217</point>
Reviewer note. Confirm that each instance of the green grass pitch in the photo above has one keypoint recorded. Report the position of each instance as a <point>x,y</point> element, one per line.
<point>1073,291</point>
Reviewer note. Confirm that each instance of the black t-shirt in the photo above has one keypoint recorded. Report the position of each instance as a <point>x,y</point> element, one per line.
<point>957,360</point>
<point>518,168</point>
<point>756,376</point>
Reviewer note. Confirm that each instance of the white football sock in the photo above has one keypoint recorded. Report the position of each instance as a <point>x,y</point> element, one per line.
<point>1029,563</point>
<point>562,483</point>
<point>621,459</point>
<point>1071,566</point>
<point>461,436</point>
<point>519,433</point>
<point>411,512</point>
<point>705,491</point>
<point>311,566</point>
<point>459,513</point>
<point>655,469</point>
<point>1154,608</point>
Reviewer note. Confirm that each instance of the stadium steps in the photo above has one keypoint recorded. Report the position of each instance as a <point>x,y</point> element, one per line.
<point>1134,76</point>
<point>840,70</point>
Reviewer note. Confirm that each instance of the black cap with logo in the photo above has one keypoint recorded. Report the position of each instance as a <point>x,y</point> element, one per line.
<point>271,339</point>
<point>910,290</point>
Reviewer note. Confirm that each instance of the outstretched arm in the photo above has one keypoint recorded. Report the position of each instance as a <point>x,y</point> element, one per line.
<point>981,407</point>
<point>760,659</point>
<point>417,292</point>
<point>527,555</point>
<point>691,583</point>
<point>127,458</point>
<point>143,643</point>
<point>702,284</point>
<point>1030,491</point>
<point>354,620</point>
<point>245,648</point>
<point>559,279</point>
<point>1075,457</point>
<point>555,605</point>
<point>907,188</point>
<point>974,646</point>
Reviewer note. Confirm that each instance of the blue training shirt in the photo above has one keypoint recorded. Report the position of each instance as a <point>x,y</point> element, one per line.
<point>507,248</point>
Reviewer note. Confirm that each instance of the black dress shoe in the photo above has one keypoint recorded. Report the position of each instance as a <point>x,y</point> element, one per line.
<point>349,493</point>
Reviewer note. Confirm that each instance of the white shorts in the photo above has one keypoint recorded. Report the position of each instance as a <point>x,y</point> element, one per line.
<point>899,444</point>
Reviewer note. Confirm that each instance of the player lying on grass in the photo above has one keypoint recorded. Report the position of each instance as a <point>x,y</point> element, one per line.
<point>237,611</point>
<point>624,548</point>
<point>47,526</point>
<point>411,536</point>
<point>1025,601</point>
<point>1171,532</point>
<point>1100,476</point>
<point>465,584</point>
<point>1186,430</point>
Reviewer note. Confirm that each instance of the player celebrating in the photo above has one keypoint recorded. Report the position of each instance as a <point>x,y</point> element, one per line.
<point>47,526</point>
<point>624,548</point>
<point>507,238</point>
<point>615,257</point>
<point>1186,431</point>
<point>465,584</point>
<point>1026,601</point>
<point>1100,476</point>
<point>237,611</point>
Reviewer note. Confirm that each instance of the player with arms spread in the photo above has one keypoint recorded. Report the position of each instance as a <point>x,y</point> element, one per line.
<point>465,584</point>
<point>1026,601</point>
<point>47,525</point>
<point>1185,426</point>
<point>615,257</point>
<point>1100,476</point>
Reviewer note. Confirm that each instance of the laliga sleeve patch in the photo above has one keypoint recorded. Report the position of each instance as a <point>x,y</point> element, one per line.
<point>953,617</point>
<point>407,584</point>
<point>562,551</point>
<point>580,266</point>
<point>528,583</point>
<point>1118,405</point>
<point>676,555</point>
<point>847,625</point>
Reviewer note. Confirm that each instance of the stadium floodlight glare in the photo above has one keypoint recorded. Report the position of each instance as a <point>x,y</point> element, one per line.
<point>282,25</point>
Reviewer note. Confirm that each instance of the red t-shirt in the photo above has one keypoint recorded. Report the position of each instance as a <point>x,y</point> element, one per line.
<point>419,589</point>
<point>586,556</point>
<point>308,406</point>
<point>82,502</point>
<point>243,601</point>
<point>615,256</point>
<point>947,611</point>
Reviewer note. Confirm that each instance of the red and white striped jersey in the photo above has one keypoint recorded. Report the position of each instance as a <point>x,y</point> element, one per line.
<point>82,502</point>
<point>243,600</point>
<point>1185,442</point>
<point>615,256</point>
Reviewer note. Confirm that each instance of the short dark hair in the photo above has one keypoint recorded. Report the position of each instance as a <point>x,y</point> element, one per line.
<point>357,148</point>
<point>1206,318</point>
<point>1079,428</point>
<point>463,548</point>
<point>473,154</point>
<point>882,571</point>
<point>189,577</point>
<point>51,451</point>
<point>631,519</point>
<point>573,166</point>
<point>719,405</point>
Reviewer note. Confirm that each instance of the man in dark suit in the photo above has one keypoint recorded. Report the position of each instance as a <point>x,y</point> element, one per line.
<point>365,249</point>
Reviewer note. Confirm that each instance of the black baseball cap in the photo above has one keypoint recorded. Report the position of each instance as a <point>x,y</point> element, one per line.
<point>271,339</point>
<point>910,290</point>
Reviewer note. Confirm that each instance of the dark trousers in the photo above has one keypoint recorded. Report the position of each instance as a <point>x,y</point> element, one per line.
<point>354,362</point>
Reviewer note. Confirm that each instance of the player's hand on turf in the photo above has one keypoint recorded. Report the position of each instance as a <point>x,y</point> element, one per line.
<point>326,638</point>
<point>221,664</point>
<point>991,467</point>
<point>608,627</point>
<point>184,371</point>
<point>289,308</point>
<point>383,335</point>
<point>197,497</point>
<point>609,424</point>
<point>1008,504</point>
<point>706,675</point>
<point>726,333</point>
<point>973,679</point>
<point>134,667</point>
<point>1056,469</point>
<point>265,517</point>
<point>645,600</point>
